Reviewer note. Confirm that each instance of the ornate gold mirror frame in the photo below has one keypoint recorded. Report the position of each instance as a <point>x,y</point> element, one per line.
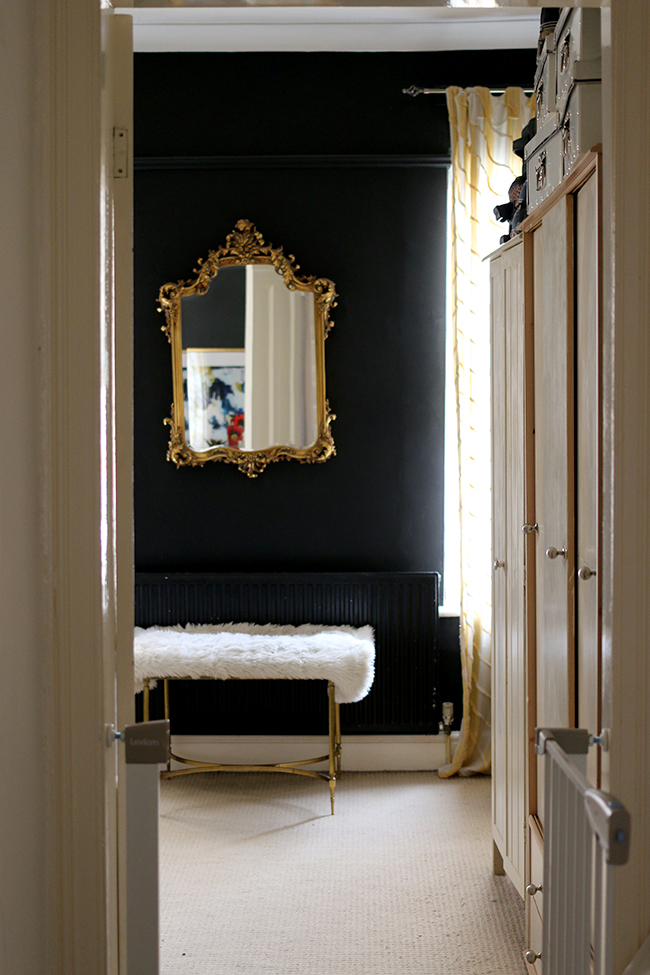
<point>245,245</point>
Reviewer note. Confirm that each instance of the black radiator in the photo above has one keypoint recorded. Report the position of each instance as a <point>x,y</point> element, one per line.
<point>402,607</point>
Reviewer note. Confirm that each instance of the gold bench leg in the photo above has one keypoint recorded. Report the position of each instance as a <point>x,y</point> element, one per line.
<point>332,742</point>
<point>169,757</point>
<point>338,741</point>
<point>334,750</point>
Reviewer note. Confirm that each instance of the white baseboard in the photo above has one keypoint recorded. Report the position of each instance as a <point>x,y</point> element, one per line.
<point>360,753</point>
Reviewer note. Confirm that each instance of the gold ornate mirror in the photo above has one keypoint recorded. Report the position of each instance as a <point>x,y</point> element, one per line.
<point>248,358</point>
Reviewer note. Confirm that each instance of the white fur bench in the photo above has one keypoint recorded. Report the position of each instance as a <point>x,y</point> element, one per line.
<point>342,655</point>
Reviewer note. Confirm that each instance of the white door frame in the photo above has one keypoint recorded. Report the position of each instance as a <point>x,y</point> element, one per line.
<point>84,288</point>
<point>81,533</point>
<point>122,196</point>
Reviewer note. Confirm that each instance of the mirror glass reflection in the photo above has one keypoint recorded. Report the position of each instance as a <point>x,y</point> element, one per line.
<point>248,347</point>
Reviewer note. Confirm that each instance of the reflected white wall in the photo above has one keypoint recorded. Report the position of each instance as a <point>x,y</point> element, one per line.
<point>280,394</point>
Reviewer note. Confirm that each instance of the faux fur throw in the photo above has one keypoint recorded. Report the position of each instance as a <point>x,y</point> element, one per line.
<point>341,654</point>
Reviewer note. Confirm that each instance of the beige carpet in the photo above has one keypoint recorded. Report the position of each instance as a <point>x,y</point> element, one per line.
<point>258,879</point>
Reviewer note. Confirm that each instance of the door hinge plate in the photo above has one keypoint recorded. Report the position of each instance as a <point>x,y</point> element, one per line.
<point>120,153</point>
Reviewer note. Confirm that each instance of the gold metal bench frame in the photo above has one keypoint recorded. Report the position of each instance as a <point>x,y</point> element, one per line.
<point>333,756</point>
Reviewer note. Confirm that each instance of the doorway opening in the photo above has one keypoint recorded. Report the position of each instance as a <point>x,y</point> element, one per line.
<point>385,476</point>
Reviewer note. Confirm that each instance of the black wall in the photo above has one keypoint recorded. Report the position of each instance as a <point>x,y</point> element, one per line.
<point>252,104</point>
<point>378,232</point>
<point>375,226</point>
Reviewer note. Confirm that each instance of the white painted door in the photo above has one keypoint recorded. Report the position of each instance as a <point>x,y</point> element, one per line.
<point>132,782</point>
<point>508,600</point>
<point>554,470</point>
<point>588,486</point>
<point>83,286</point>
<point>515,563</point>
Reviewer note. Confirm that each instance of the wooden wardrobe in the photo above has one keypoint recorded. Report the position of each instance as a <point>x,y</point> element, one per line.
<point>546,510</point>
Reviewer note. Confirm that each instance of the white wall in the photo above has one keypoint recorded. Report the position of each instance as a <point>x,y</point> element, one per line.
<point>626,557</point>
<point>22,651</point>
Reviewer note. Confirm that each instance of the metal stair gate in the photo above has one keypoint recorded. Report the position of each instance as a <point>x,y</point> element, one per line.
<point>586,835</point>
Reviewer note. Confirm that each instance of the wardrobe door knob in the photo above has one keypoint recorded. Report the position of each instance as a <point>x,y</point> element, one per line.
<point>498,564</point>
<point>586,573</point>
<point>552,552</point>
<point>533,889</point>
<point>532,956</point>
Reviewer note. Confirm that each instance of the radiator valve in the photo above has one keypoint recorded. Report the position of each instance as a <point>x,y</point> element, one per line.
<point>447,716</point>
<point>446,723</point>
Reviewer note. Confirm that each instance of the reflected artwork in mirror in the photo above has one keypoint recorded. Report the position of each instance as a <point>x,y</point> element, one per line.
<point>248,358</point>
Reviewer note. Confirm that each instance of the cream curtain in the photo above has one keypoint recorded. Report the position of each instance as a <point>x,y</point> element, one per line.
<point>483,127</point>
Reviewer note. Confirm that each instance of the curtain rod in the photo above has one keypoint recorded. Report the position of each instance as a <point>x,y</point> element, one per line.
<point>414,90</point>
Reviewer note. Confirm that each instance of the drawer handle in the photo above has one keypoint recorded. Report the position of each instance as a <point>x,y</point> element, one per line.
<point>532,956</point>
<point>540,172</point>
<point>533,889</point>
<point>566,136</point>
<point>553,553</point>
<point>565,52</point>
<point>540,102</point>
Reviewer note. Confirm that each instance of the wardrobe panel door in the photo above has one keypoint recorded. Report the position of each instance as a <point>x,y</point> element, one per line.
<point>530,518</point>
<point>538,280</point>
<point>515,562</point>
<point>588,466</point>
<point>508,594</point>
<point>554,468</point>
<point>499,605</point>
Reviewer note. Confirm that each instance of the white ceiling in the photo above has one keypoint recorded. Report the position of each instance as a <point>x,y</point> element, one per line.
<point>326,28</point>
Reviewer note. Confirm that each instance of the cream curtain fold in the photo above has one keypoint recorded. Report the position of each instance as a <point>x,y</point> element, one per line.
<point>483,127</point>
